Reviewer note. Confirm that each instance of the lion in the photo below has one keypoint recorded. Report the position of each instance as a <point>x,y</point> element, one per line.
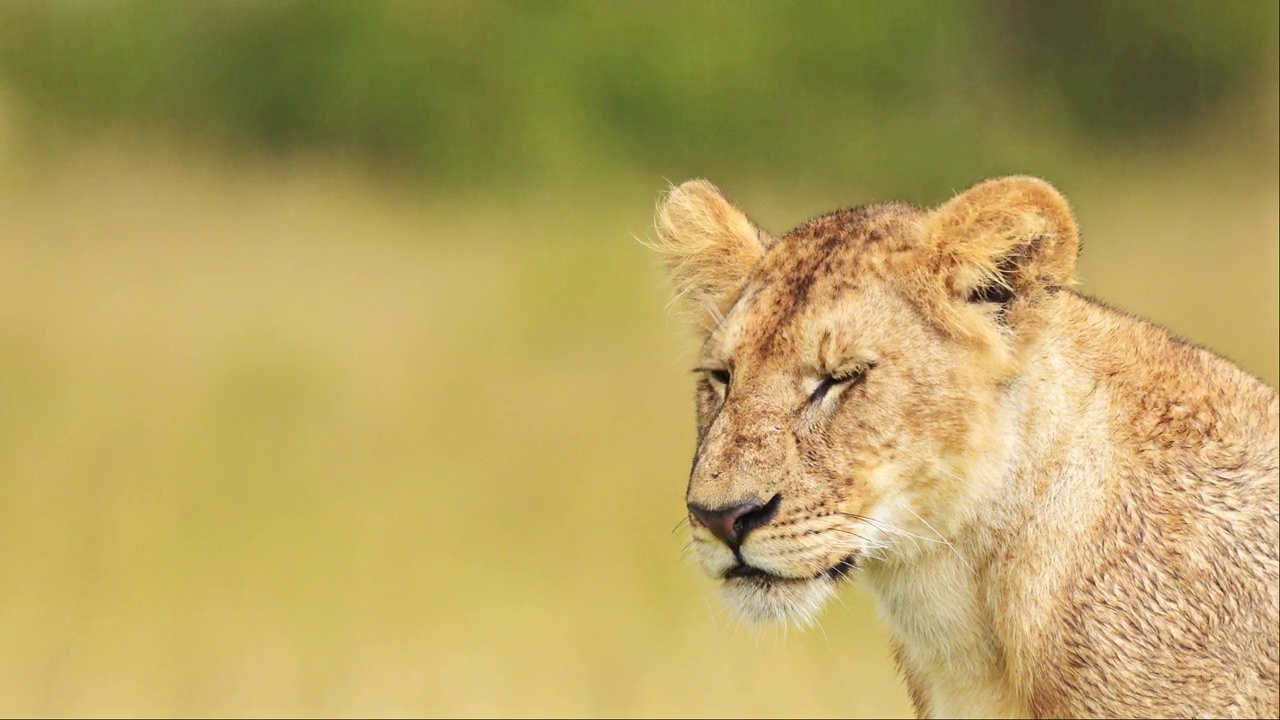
<point>1062,510</point>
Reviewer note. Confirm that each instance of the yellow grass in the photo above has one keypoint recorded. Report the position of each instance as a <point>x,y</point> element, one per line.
<point>288,442</point>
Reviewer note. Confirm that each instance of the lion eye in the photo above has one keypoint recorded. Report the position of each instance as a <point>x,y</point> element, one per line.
<point>846,377</point>
<point>720,376</point>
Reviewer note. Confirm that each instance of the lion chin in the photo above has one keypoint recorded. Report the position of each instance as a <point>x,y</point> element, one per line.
<point>771,598</point>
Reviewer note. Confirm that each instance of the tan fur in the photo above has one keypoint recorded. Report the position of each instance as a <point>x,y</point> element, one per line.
<point>708,246</point>
<point>1063,510</point>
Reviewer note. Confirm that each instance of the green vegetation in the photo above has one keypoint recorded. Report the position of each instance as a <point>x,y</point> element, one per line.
<point>467,92</point>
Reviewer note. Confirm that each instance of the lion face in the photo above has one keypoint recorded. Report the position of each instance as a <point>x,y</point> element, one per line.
<point>848,390</point>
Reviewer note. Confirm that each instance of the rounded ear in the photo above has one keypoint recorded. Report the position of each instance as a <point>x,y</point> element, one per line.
<point>1008,236</point>
<point>1008,242</point>
<point>709,246</point>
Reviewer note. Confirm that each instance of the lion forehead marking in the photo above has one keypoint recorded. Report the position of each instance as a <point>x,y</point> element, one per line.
<point>818,263</point>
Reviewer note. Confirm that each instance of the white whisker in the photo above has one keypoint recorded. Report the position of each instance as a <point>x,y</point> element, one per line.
<point>943,539</point>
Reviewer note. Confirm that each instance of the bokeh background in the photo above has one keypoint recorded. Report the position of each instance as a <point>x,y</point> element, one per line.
<point>333,379</point>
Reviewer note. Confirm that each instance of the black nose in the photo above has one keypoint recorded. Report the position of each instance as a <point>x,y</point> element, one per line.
<point>731,524</point>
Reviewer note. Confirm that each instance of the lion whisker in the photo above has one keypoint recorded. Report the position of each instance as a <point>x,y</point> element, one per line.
<point>943,539</point>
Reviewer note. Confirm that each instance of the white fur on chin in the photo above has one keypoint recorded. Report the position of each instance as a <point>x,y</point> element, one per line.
<point>776,599</point>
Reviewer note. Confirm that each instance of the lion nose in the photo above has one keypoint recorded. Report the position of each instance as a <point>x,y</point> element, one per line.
<point>731,524</point>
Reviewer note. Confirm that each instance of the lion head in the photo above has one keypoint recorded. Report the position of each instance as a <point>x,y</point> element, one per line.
<point>854,374</point>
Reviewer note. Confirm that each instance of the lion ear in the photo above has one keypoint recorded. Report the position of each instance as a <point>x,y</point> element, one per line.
<point>709,246</point>
<point>1005,241</point>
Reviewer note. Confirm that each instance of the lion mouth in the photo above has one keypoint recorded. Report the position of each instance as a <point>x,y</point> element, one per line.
<point>750,572</point>
<point>842,569</point>
<point>743,570</point>
<point>759,595</point>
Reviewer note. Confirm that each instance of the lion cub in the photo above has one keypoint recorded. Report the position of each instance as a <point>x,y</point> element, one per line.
<point>1063,510</point>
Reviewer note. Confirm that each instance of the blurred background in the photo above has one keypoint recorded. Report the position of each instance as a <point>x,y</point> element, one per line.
<point>333,379</point>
